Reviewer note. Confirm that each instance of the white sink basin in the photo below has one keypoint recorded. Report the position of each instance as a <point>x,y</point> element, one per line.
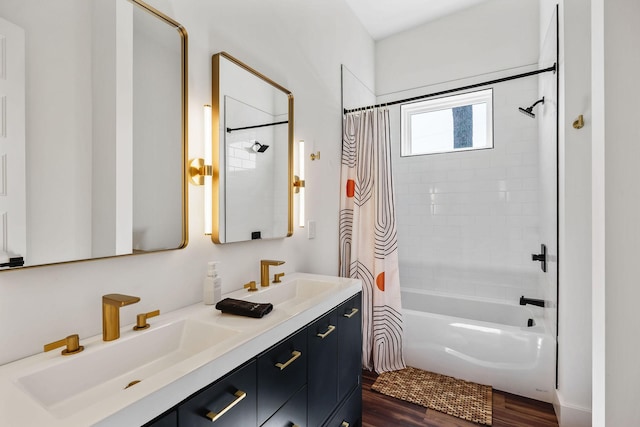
<point>288,295</point>
<point>182,352</point>
<point>102,370</point>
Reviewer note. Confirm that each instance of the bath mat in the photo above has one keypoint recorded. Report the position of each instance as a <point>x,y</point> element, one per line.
<point>463,399</point>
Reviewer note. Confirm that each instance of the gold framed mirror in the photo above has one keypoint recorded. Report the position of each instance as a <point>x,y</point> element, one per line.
<point>252,154</point>
<point>104,95</point>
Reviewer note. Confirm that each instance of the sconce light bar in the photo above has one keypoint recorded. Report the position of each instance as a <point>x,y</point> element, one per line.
<point>298,183</point>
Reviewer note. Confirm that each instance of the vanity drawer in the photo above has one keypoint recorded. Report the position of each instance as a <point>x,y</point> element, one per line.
<point>233,399</point>
<point>350,413</point>
<point>282,370</point>
<point>293,413</point>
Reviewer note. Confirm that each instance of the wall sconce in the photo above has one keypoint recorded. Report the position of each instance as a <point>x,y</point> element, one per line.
<point>298,184</point>
<point>201,170</point>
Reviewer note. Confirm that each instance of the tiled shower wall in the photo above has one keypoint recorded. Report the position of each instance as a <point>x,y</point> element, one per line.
<point>468,222</point>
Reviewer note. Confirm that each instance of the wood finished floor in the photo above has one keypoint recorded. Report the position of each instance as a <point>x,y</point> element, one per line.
<point>509,410</point>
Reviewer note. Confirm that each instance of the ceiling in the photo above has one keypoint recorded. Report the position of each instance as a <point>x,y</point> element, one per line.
<point>383,18</point>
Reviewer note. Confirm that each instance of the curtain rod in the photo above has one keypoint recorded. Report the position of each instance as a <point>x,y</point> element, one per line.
<point>444,92</point>
<point>229,130</point>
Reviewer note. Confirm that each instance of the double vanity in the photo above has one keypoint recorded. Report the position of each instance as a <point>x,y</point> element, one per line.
<point>298,365</point>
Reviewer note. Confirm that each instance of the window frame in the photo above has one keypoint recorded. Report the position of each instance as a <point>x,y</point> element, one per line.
<point>408,110</point>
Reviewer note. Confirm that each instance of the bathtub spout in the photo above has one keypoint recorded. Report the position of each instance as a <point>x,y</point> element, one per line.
<point>532,301</point>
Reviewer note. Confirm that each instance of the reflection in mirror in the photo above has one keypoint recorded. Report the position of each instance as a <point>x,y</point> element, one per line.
<point>101,91</point>
<point>252,119</point>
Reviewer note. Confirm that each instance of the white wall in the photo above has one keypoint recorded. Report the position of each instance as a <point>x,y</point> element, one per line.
<point>616,209</point>
<point>461,215</point>
<point>299,44</point>
<point>468,221</point>
<point>573,405</point>
<point>468,43</point>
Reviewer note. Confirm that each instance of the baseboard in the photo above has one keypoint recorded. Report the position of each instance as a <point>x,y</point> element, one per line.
<point>571,415</point>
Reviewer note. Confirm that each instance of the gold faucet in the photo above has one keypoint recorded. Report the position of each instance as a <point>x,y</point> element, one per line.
<point>264,270</point>
<point>72,343</point>
<point>251,286</point>
<point>111,304</point>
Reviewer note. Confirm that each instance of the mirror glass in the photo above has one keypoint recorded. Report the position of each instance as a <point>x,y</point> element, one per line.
<point>252,138</point>
<point>94,152</point>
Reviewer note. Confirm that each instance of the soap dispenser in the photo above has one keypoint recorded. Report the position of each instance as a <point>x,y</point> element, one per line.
<point>212,287</point>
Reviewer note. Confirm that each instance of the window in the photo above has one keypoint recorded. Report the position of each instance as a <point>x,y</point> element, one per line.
<point>454,123</point>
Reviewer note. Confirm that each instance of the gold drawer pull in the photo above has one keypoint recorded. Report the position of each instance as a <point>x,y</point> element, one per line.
<point>350,315</point>
<point>239,396</point>
<point>330,329</point>
<point>344,423</point>
<point>294,355</point>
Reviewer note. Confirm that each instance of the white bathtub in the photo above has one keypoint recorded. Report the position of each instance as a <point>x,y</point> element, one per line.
<point>481,341</point>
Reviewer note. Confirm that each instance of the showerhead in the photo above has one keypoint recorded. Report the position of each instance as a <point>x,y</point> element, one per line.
<point>529,111</point>
<point>259,148</point>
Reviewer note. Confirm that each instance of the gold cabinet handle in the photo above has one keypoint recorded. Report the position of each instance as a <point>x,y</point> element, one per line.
<point>213,416</point>
<point>344,424</point>
<point>294,355</point>
<point>350,315</point>
<point>141,320</point>
<point>330,329</point>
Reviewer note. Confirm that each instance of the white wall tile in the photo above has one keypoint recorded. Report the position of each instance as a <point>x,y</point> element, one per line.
<point>468,222</point>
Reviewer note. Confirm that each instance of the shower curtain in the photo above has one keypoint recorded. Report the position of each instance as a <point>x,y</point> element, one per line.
<point>368,235</point>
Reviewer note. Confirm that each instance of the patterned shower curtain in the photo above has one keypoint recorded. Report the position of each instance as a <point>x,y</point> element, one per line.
<point>368,235</point>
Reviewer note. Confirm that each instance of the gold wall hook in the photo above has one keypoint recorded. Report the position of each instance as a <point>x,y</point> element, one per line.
<point>579,122</point>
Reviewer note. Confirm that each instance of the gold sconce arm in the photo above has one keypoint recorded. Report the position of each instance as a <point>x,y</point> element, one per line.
<point>198,170</point>
<point>297,184</point>
<point>72,343</point>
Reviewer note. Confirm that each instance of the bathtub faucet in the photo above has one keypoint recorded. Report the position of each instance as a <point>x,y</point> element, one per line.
<point>532,301</point>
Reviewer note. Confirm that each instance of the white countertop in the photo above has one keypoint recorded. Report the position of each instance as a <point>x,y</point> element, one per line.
<point>163,390</point>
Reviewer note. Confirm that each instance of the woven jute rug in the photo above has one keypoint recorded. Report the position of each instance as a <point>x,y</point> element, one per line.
<point>462,399</point>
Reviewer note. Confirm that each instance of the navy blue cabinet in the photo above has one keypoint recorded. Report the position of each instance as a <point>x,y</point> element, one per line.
<point>311,378</point>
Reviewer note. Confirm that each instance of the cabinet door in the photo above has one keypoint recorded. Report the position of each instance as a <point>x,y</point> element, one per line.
<point>282,370</point>
<point>322,336</point>
<point>293,413</point>
<point>350,413</point>
<point>230,401</point>
<point>349,345</point>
